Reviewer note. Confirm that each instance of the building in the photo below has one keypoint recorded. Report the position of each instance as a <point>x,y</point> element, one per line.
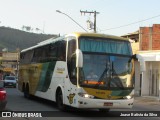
<point>146,46</point>
<point>1,67</point>
<point>10,62</point>
<point>134,39</point>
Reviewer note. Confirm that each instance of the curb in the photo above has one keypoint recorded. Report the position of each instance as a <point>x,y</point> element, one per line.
<point>147,99</point>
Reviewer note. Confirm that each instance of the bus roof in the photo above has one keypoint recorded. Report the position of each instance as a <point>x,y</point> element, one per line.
<point>76,34</point>
<point>99,35</point>
<point>45,42</point>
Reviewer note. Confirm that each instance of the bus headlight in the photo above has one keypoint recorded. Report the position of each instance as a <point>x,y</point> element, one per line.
<point>85,95</point>
<point>128,97</point>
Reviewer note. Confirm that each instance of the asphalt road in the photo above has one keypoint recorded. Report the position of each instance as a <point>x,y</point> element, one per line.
<point>16,102</point>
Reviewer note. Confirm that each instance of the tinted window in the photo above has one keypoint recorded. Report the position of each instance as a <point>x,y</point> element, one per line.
<point>26,57</point>
<point>71,48</point>
<point>47,53</point>
<point>10,78</point>
<point>71,60</point>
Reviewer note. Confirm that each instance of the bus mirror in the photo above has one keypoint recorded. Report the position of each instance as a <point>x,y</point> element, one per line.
<point>79,60</point>
<point>134,57</point>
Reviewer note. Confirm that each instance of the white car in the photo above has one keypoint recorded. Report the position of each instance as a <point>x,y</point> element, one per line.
<point>10,81</point>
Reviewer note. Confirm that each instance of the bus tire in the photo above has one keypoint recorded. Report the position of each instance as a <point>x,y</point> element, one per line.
<point>26,92</point>
<point>59,100</point>
<point>23,87</point>
<point>104,110</point>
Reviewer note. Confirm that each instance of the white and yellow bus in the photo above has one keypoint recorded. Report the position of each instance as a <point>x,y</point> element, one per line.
<point>82,70</point>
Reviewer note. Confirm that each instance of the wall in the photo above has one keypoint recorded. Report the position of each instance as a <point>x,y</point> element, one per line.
<point>151,79</point>
<point>10,61</point>
<point>150,37</point>
<point>145,81</point>
<point>137,78</point>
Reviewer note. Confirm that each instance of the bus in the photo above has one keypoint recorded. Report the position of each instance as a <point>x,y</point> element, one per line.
<point>81,70</point>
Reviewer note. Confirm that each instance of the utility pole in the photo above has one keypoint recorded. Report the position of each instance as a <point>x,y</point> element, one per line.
<point>95,14</point>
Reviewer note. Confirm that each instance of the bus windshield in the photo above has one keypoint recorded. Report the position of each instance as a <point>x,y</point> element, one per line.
<point>107,45</point>
<point>108,69</point>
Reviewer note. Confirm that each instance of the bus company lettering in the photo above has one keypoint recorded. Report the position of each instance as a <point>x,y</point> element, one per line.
<point>27,114</point>
<point>60,70</point>
<point>99,92</point>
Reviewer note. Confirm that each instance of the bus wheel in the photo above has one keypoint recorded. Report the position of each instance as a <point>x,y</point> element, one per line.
<point>59,100</point>
<point>104,110</point>
<point>26,92</point>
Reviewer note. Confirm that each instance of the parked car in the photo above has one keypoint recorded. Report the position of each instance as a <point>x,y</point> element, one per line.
<point>3,100</point>
<point>10,81</point>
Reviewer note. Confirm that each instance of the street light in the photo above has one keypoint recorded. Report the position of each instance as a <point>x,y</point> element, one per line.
<point>71,19</point>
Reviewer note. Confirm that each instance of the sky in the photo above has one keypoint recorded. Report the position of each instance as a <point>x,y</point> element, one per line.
<point>115,17</point>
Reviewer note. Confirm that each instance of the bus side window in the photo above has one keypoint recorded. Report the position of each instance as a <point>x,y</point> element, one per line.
<point>71,60</point>
<point>26,57</point>
<point>71,48</point>
<point>62,51</point>
<point>37,55</point>
<point>22,57</point>
<point>52,53</point>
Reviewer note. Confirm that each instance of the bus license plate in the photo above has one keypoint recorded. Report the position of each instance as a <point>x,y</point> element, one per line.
<point>108,104</point>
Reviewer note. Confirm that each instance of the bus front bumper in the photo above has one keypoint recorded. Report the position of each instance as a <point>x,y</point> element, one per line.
<point>99,103</point>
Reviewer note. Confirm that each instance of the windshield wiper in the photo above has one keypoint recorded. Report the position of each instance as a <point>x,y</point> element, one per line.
<point>107,76</point>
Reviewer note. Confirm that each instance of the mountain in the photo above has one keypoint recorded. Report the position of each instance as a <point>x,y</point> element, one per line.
<point>13,38</point>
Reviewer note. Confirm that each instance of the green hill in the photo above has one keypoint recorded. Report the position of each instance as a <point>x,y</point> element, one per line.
<point>13,38</point>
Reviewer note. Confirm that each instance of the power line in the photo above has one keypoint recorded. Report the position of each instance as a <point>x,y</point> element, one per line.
<point>131,23</point>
